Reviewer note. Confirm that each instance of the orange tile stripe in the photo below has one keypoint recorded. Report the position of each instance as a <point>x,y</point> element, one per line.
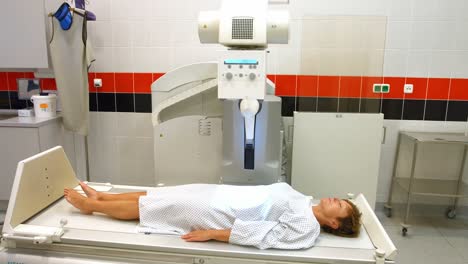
<point>286,85</point>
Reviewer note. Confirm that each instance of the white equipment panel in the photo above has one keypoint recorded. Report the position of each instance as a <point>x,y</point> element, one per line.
<point>334,154</point>
<point>242,74</point>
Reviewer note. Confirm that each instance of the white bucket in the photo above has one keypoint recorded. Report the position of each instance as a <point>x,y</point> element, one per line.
<point>44,105</point>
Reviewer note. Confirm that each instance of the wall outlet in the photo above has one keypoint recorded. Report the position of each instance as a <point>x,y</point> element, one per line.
<point>385,88</point>
<point>377,88</point>
<point>97,83</point>
<point>408,88</point>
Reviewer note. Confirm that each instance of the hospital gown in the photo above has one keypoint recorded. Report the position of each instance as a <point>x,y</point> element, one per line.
<point>266,216</point>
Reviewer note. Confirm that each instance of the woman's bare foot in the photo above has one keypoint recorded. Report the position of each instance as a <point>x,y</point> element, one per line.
<point>78,201</point>
<point>90,192</point>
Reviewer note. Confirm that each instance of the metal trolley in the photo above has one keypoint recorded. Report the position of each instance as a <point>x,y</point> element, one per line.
<point>428,187</point>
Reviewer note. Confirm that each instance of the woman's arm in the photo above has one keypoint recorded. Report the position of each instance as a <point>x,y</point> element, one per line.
<point>205,235</point>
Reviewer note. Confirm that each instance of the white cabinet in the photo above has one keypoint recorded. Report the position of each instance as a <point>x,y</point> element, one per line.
<point>23,34</point>
<point>18,143</point>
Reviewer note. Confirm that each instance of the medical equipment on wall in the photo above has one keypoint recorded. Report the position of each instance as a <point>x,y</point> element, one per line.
<point>42,227</point>
<point>251,114</point>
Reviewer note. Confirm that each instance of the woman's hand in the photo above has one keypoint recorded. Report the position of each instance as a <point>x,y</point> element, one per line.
<point>205,235</point>
<point>198,236</point>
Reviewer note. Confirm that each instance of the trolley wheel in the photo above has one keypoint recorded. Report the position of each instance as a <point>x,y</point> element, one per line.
<point>404,230</point>
<point>451,213</point>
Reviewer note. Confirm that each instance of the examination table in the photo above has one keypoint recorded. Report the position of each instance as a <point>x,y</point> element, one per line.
<point>41,227</point>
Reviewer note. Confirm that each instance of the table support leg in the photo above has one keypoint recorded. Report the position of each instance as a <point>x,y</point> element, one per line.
<point>388,206</point>
<point>460,179</point>
<point>410,187</point>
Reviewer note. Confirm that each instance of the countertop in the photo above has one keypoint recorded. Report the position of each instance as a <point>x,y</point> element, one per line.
<point>438,137</point>
<point>16,121</point>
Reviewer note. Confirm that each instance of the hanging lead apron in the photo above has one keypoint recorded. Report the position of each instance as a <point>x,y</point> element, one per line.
<point>71,55</point>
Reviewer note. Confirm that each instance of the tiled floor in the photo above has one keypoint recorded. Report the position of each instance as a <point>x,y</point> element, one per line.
<point>430,239</point>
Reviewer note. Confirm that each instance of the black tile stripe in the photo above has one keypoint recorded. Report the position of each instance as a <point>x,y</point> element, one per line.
<point>325,104</point>
<point>306,104</point>
<point>370,105</point>
<point>349,105</point>
<point>17,103</point>
<point>93,102</point>
<point>288,105</point>
<point>457,111</point>
<point>143,103</point>
<point>125,102</point>
<point>4,100</point>
<point>435,110</point>
<point>413,109</point>
<point>106,102</point>
<point>392,108</point>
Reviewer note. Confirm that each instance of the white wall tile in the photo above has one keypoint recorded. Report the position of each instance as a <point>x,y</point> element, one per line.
<point>433,9</point>
<point>184,33</point>
<point>101,33</point>
<point>418,63</point>
<point>421,35</point>
<point>140,33</point>
<point>104,60</point>
<point>102,152</point>
<point>163,59</point>
<point>443,35</point>
<point>125,125</point>
<point>161,33</point>
<point>140,10</point>
<point>144,170</point>
<point>398,34</point>
<point>121,34</point>
<point>144,125</point>
<point>172,10</point>
<point>398,9</point>
<point>144,59</point>
<point>289,62</point>
<point>120,9</point>
<point>460,68</point>
<point>395,63</point>
<point>442,63</point>
<point>461,36</point>
<point>460,10</point>
<point>122,59</point>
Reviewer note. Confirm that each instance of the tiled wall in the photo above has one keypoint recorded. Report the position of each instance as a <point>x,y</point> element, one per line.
<point>425,44</point>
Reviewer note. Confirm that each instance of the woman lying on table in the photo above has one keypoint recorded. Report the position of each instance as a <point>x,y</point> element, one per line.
<point>265,216</point>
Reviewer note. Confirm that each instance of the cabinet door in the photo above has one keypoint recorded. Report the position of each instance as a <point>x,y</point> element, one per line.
<point>335,154</point>
<point>16,144</point>
<point>23,34</point>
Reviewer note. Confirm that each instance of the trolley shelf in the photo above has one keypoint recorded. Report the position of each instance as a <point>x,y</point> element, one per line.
<point>430,187</point>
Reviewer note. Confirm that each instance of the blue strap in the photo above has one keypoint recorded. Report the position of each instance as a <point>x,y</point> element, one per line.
<point>64,16</point>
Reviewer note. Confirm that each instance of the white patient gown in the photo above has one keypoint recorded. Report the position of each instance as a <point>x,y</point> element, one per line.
<point>266,216</point>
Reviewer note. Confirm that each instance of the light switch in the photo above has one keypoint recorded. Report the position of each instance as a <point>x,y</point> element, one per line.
<point>385,88</point>
<point>408,88</point>
<point>377,88</point>
<point>97,83</point>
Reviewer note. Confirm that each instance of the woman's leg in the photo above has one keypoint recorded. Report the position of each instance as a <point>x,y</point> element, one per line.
<point>119,209</point>
<point>100,196</point>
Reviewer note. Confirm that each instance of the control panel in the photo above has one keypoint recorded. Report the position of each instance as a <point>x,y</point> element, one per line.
<point>242,74</point>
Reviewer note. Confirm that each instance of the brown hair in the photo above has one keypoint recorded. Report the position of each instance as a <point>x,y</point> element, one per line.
<point>349,226</point>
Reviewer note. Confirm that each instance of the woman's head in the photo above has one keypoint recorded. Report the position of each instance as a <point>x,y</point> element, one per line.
<point>340,217</point>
